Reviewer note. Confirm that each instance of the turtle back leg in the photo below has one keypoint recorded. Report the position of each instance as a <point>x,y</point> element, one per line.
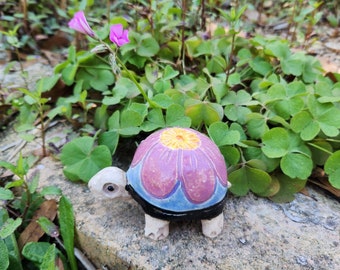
<point>155,228</point>
<point>212,227</point>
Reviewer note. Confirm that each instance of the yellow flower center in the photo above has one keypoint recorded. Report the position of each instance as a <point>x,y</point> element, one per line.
<point>179,138</point>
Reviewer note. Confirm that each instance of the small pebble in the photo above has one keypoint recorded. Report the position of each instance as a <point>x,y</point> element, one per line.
<point>331,223</point>
<point>242,241</point>
<point>40,167</point>
<point>301,260</point>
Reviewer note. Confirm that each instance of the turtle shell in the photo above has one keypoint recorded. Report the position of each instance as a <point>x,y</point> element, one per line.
<point>178,173</point>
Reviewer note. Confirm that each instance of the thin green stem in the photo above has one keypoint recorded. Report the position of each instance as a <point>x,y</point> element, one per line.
<point>141,90</point>
<point>43,134</point>
<point>183,35</point>
<point>320,148</point>
<point>21,67</point>
<point>230,59</point>
<point>108,6</point>
<point>332,140</point>
<point>28,200</point>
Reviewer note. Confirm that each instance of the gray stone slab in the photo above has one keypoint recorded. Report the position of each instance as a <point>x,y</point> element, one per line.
<point>258,234</point>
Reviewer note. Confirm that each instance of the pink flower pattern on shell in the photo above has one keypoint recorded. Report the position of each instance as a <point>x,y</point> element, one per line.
<point>197,169</point>
<point>118,35</point>
<point>80,24</point>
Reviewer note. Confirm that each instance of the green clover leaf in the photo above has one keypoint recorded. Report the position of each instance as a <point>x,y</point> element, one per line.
<point>261,66</point>
<point>288,187</point>
<point>323,117</point>
<point>275,143</point>
<point>293,64</point>
<point>221,135</point>
<point>148,46</point>
<point>256,153</point>
<point>296,165</point>
<point>82,160</point>
<point>175,116</point>
<point>278,48</point>
<point>247,178</point>
<point>237,105</point>
<point>154,120</point>
<point>296,161</point>
<point>203,112</point>
<point>256,125</point>
<point>333,170</point>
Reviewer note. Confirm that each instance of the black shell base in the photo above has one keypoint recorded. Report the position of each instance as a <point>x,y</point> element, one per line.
<point>156,212</point>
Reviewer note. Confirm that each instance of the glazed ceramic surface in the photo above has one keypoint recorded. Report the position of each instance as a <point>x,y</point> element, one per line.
<point>179,170</point>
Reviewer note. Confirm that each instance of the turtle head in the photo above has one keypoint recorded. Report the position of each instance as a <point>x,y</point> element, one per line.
<point>109,183</point>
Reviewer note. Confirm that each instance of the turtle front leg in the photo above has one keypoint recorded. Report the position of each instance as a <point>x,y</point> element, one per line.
<point>212,227</point>
<point>155,228</point>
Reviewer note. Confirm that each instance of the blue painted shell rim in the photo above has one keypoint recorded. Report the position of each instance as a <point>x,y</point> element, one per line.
<point>177,201</point>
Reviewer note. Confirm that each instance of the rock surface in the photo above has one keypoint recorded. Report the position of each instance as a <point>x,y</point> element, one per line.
<point>258,234</point>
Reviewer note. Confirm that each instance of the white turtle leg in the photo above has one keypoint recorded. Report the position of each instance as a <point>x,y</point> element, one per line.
<point>212,227</point>
<point>155,228</point>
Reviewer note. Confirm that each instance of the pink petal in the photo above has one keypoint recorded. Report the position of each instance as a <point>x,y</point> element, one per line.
<point>144,147</point>
<point>117,29</point>
<point>213,155</point>
<point>125,37</point>
<point>118,35</point>
<point>80,24</point>
<point>159,171</point>
<point>197,175</point>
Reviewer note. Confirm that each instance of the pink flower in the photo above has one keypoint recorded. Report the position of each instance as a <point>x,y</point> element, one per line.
<point>118,35</point>
<point>80,24</point>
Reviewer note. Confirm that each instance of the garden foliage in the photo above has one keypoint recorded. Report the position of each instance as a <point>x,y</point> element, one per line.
<point>19,233</point>
<point>272,112</point>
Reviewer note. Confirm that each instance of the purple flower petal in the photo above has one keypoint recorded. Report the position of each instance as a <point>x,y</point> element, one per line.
<point>144,147</point>
<point>118,35</point>
<point>116,29</point>
<point>197,175</point>
<point>159,171</point>
<point>80,24</point>
<point>213,154</point>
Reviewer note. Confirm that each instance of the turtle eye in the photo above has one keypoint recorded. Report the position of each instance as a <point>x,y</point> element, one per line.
<point>109,187</point>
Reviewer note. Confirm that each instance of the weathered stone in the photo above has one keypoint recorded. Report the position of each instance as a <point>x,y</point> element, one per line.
<point>258,234</point>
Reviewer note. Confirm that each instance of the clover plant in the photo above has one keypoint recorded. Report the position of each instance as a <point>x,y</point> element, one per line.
<point>270,110</point>
<point>20,243</point>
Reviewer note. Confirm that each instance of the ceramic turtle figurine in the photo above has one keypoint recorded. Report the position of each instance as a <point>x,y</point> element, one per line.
<point>175,174</point>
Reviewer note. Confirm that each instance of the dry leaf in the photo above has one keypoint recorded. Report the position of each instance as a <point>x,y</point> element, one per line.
<point>328,65</point>
<point>33,231</point>
<point>324,184</point>
<point>59,264</point>
<point>305,192</point>
<point>53,58</point>
<point>58,40</point>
